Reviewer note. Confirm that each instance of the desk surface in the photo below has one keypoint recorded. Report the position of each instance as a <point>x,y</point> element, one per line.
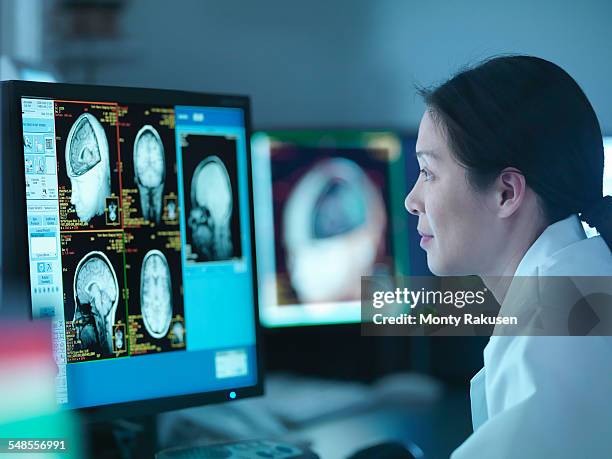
<point>437,428</point>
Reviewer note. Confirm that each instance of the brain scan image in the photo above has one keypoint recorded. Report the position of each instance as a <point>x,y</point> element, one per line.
<point>156,294</point>
<point>96,295</point>
<point>178,334</point>
<point>150,171</point>
<point>112,211</point>
<point>334,222</point>
<point>211,211</point>
<point>171,210</point>
<point>119,339</point>
<point>88,166</point>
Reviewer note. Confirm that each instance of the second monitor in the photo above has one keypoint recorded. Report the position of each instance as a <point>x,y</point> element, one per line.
<point>328,206</point>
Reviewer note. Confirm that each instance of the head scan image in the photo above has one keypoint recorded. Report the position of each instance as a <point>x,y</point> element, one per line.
<point>118,339</point>
<point>112,211</point>
<point>150,171</point>
<point>211,210</point>
<point>334,221</point>
<point>88,166</point>
<point>178,334</point>
<point>96,295</point>
<point>156,294</point>
<point>171,210</point>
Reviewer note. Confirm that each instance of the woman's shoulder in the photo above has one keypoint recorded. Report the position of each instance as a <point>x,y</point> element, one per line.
<point>586,257</point>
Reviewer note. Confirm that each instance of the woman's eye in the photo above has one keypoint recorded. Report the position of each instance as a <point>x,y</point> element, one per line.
<point>425,174</point>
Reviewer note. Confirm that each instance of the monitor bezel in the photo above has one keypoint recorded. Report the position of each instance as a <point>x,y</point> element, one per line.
<point>16,272</point>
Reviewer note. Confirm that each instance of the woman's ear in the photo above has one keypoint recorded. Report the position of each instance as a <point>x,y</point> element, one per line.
<point>510,191</point>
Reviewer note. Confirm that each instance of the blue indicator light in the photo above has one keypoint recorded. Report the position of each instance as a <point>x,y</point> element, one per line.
<point>232,395</point>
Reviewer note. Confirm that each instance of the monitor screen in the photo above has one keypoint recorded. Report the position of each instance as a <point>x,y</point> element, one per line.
<point>607,179</point>
<point>325,213</point>
<point>139,234</point>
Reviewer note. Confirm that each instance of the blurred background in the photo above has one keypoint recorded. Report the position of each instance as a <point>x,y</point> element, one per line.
<point>346,63</point>
<point>323,68</point>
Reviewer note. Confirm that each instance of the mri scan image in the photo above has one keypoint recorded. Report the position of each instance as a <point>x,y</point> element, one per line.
<point>88,166</point>
<point>171,207</point>
<point>96,295</point>
<point>150,172</point>
<point>334,222</point>
<point>156,294</point>
<point>119,339</point>
<point>178,334</point>
<point>211,211</point>
<point>112,211</point>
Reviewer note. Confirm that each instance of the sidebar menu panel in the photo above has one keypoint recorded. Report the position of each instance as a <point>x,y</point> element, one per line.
<point>40,158</point>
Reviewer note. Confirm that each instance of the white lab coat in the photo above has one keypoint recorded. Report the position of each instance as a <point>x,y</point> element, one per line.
<point>546,396</point>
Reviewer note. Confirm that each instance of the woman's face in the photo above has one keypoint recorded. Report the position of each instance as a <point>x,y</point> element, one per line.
<point>457,231</point>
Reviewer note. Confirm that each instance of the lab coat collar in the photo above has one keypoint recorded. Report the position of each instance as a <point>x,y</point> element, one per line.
<point>553,239</point>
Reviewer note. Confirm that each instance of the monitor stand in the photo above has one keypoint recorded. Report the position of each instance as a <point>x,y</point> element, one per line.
<point>133,438</point>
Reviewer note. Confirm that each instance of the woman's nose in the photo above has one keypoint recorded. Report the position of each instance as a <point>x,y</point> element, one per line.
<point>412,204</point>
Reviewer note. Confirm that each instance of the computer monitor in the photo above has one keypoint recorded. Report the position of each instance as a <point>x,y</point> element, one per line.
<point>327,206</point>
<point>128,220</point>
<point>607,179</point>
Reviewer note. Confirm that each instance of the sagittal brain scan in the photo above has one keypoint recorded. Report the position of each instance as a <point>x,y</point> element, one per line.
<point>150,170</point>
<point>212,219</point>
<point>96,295</point>
<point>88,167</point>
<point>156,294</point>
<point>333,225</point>
<point>211,209</point>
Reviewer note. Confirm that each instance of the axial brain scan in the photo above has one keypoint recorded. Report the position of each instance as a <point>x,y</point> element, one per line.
<point>211,201</point>
<point>335,212</point>
<point>96,295</point>
<point>156,294</point>
<point>87,163</point>
<point>150,171</point>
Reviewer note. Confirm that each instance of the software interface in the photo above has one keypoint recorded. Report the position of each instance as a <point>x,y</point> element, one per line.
<point>139,244</point>
<point>324,220</point>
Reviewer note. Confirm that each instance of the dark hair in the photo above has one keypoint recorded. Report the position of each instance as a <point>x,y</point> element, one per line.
<point>528,113</point>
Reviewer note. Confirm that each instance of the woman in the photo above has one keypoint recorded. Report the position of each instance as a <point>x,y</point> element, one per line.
<point>511,160</point>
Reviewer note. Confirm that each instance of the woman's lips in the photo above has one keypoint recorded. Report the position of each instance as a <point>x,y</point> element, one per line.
<point>425,239</point>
